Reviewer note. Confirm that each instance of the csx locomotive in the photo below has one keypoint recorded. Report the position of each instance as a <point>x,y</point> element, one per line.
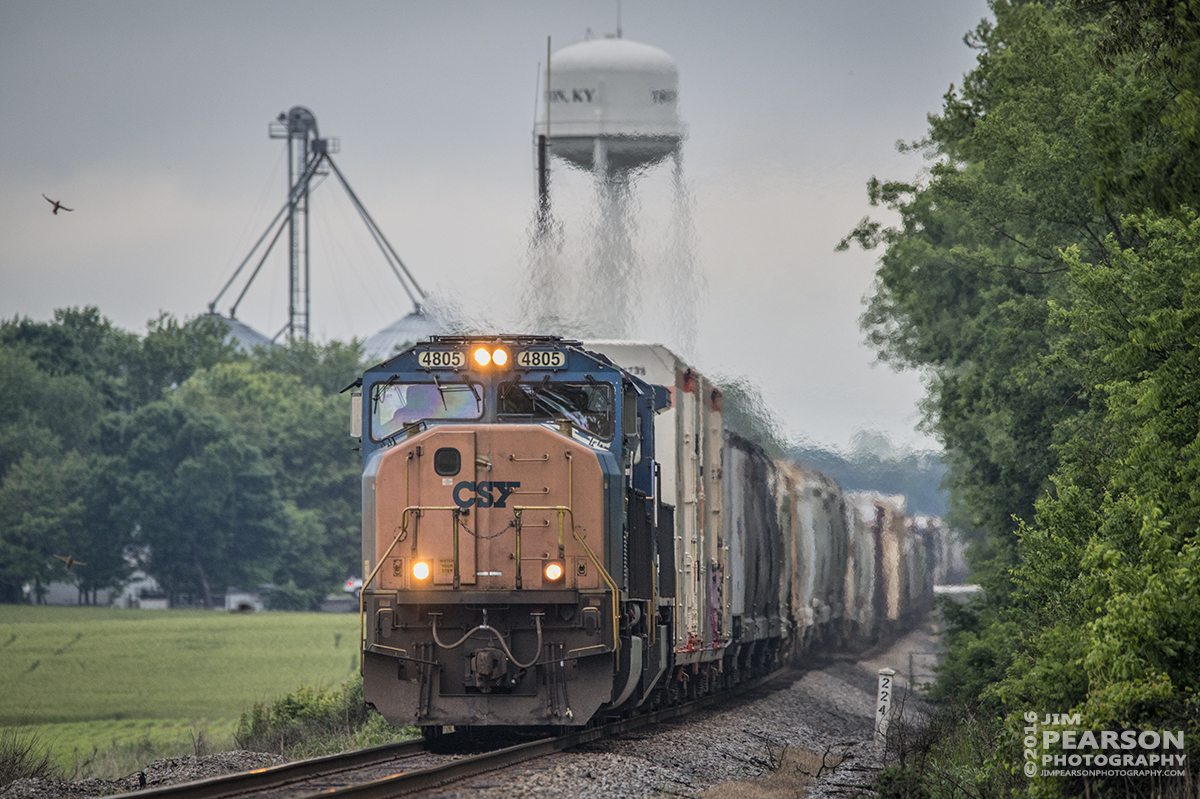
<point>555,532</point>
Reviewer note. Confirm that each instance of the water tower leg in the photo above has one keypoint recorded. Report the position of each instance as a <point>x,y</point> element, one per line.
<point>543,186</point>
<point>600,159</point>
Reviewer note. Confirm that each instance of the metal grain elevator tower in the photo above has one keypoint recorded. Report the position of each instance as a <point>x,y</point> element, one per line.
<point>305,149</point>
<point>309,157</point>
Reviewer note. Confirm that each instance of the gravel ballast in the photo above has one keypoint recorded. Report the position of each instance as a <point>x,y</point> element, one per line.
<point>759,746</point>
<point>170,771</point>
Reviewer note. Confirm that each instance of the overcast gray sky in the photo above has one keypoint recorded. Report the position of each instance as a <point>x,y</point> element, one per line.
<point>150,119</point>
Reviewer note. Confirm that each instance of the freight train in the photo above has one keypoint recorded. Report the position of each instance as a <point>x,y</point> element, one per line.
<point>556,532</point>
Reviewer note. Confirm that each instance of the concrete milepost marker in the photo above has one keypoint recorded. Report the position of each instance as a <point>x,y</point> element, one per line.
<point>883,705</point>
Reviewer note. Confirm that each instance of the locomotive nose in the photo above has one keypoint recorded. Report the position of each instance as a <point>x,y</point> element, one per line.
<point>490,576</point>
<point>489,507</point>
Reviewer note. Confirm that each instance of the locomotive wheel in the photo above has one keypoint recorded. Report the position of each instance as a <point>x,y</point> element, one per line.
<point>674,693</point>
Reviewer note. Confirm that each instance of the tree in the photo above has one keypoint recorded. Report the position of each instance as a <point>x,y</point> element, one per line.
<point>127,372</point>
<point>44,479</point>
<point>965,286</point>
<point>39,412</point>
<point>1152,144</point>
<point>1045,276</point>
<point>230,468</point>
<point>972,279</point>
<point>326,367</point>
<point>103,539</point>
<point>874,463</point>
<point>41,516</point>
<point>1111,569</point>
<point>302,433</point>
<point>82,343</point>
<point>200,498</point>
<point>171,352</point>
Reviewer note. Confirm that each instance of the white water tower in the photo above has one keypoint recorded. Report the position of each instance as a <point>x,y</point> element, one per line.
<point>611,106</point>
<point>611,109</point>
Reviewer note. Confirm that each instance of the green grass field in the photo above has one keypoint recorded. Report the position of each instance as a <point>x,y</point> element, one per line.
<point>88,679</point>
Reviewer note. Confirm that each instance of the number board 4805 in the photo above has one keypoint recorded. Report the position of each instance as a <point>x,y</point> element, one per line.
<point>442,359</point>
<point>541,359</point>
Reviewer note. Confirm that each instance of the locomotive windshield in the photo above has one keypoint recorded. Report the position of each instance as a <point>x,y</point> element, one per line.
<point>588,406</point>
<point>394,406</point>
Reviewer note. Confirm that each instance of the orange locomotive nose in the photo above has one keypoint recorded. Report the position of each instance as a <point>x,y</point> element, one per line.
<point>489,554</point>
<point>484,507</point>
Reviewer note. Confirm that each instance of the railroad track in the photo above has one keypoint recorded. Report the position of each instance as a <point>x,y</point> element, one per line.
<point>397,769</point>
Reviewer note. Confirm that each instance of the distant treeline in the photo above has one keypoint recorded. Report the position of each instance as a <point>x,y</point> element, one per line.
<point>175,453</point>
<point>872,464</point>
<point>918,475</point>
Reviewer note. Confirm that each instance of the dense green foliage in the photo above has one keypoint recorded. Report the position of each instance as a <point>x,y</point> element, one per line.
<point>949,755</point>
<point>310,722</point>
<point>1044,274</point>
<point>176,453</point>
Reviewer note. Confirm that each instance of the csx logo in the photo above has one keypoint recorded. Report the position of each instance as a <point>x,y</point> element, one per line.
<point>481,494</point>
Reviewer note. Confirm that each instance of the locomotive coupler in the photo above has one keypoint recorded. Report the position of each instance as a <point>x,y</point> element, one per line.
<point>488,667</point>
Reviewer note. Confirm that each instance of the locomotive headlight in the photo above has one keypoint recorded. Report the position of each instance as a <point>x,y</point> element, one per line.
<point>553,571</point>
<point>491,357</point>
<point>421,570</point>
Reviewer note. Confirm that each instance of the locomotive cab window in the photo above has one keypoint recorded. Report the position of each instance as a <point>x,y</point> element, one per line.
<point>588,406</point>
<point>637,453</point>
<point>394,406</point>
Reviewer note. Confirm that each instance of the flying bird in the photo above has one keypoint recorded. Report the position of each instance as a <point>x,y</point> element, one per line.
<point>57,205</point>
<point>70,560</point>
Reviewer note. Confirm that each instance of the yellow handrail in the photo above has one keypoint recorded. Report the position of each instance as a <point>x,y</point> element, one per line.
<point>362,625</point>
<point>562,512</point>
<point>612,584</point>
<point>517,530</point>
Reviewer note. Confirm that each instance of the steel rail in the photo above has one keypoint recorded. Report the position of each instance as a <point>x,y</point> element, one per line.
<point>281,775</point>
<point>408,782</point>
